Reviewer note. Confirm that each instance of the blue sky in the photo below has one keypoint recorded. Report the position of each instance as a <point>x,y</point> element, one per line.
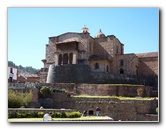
<point>29,29</point>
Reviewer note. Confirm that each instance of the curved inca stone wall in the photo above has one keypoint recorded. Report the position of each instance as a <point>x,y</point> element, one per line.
<point>76,73</point>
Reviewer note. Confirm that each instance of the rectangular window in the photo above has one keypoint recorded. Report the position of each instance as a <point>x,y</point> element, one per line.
<point>121,62</point>
<point>11,70</point>
<point>96,65</point>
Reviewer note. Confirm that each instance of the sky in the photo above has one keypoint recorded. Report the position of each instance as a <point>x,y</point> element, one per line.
<point>29,29</point>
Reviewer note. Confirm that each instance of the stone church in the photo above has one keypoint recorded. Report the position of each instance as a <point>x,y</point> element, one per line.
<point>79,57</point>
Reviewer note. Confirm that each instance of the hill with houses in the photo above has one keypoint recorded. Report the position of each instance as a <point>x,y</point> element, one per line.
<point>25,74</point>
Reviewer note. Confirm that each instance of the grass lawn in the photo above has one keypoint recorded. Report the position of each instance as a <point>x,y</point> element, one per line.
<point>82,118</point>
<point>117,97</point>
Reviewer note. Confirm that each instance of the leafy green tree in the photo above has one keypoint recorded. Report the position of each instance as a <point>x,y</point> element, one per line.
<point>10,63</point>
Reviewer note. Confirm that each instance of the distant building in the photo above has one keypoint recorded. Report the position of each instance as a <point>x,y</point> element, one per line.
<point>101,53</point>
<point>33,78</point>
<point>15,76</point>
<point>21,79</point>
<point>12,74</point>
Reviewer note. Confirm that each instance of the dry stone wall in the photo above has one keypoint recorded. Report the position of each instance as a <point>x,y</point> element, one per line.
<point>124,110</point>
<point>127,90</point>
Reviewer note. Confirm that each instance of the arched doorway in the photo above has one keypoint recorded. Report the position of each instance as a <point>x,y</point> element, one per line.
<point>121,71</point>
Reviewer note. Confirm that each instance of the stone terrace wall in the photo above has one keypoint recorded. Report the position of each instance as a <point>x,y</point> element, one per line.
<point>105,89</point>
<point>107,78</point>
<point>125,110</point>
<point>77,73</point>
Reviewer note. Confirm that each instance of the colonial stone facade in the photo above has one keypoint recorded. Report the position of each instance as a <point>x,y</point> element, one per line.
<point>101,53</point>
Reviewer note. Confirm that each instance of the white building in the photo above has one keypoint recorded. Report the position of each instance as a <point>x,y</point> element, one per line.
<point>12,73</point>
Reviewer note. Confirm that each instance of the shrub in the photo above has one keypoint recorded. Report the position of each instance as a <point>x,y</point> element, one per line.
<point>66,115</point>
<point>27,97</point>
<point>56,115</point>
<point>35,115</point>
<point>157,110</point>
<point>45,92</point>
<point>77,114</point>
<point>16,99</point>
<point>23,115</point>
<point>29,115</point>
<point>74,114</point>
<point>40,114</point>
<point>18,115</point>
<point>9,116</point>
<point>13,99</point>
<point>63,115</point>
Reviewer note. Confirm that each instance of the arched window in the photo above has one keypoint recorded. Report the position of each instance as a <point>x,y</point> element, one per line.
<point>65,58</point>
<point>121,71</point>
<point>70,58</point>
<point>60,59</point>
<point>96,65</point>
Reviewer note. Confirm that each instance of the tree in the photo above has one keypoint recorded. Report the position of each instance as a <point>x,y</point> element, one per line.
<point>10,63</point>
<point>45,92</point>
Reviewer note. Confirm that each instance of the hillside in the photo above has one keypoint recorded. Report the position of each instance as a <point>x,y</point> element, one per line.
<point>21,69</point>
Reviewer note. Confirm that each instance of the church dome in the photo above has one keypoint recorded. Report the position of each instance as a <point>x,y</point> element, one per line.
<point>99,34</point>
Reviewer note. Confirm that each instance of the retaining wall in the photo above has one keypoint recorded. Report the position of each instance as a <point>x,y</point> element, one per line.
<point>125,110</point>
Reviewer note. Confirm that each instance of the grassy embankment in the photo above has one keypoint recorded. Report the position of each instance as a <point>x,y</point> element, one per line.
<point>82,118</point>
